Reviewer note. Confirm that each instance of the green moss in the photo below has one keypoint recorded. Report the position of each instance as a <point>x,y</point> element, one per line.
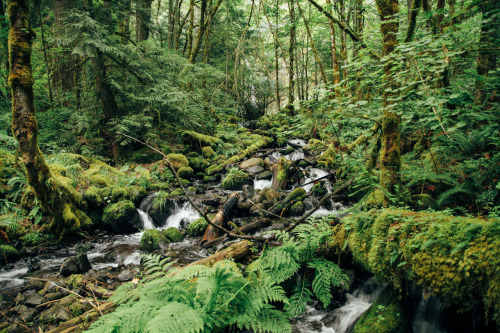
<point>8,254</point>
<point>385,315</point>
<point>177,192</point>
<point>100,180</point>
<point>297,208</point>
<point>121,217</point>
<point>57,170</point>
<point>455,258</point>
<point>423,201</point>
<point>208,152</point>
<point>232,120</point>
<point>178,160</point>
<point>209,179</point>
<point>295,196</point>
<point>327,159</point>
<point>281,141</point>
<point>153,240</point>
<point>288,151</point>
<point>198,227</point>
<point>92,197</point>
<point>137,194</point>
<point>203,138</point>
<point>185,172</point>
<point>192,154</point>
<point>373,199</point>
<point>319,189</point>
<point>120,194</point>
<point>191,190</point>
<point>235,180</point>
<point>173,235</point>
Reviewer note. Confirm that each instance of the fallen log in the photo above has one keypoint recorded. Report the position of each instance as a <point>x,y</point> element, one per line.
<point>235,251</point>
<point>246,229</point>
<point>83,321</point>
<point>220,218</point>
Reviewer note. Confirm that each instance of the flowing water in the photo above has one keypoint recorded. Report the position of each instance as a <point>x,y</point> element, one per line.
<point>314,174</point>
<point>262,184</point>
<point>182,216</point>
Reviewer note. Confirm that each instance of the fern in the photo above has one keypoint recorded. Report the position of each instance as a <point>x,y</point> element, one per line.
<point>327,275</point>
<point>301,296</point>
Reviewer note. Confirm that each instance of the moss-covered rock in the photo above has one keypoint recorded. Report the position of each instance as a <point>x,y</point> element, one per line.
<point>455,258</point>
<point>327,159</point>
<point>137,194</point>
<point>252,163</point>
<point>191,155</point>
<point>173,234</point>
<point>386,315</point>
<point>153,240</point>
<point>235,180</point>
<point>319,189</point>
<point>100,180</point>
<point>93,197</point>
<point>197,227</point>
<point>281,141</point>
<point>58,170</point>
<point>208,152</point>
<point>122,217</point>
<point>373,199</point>
<point>145,155</point>
<point>178,160</point>
<point>423,201</point>
<point>198,164</point>
<point>8,254</point>
<point>185,172</point>
<point>177,192</point>
<point>210,179</point>
<point>287,151</point>
<point>297,209</point>
<point>284,205</point>
<point>120,194</point>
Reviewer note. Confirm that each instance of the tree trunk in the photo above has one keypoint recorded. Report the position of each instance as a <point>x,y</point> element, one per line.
<point>276,55</point>
<point>390,156</point>
<point>55,196</point>
<point>220,218</point>
<point>143,19</point>
<point>333,48</point>
<point>124,21</point>
<point>488,50</point>
<point>291,52</point>
<point>281,171</point>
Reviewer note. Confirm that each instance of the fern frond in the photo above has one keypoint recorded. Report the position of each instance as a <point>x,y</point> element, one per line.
<point>301,296</point>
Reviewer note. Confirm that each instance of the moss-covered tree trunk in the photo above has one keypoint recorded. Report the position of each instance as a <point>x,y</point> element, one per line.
<point>390,159</point>
<point>55,196</point>
<point>143,19</point>
<point>333,48</point>
<point>291,53</point>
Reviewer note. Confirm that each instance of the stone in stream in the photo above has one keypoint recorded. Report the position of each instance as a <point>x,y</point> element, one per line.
<point>265,175</point>
<point>254,170</point>
<point>75,265</point>
<point>297,209</point>
<point>173,234</point>
<point>235,180</point>
<point>34,300</point>
<point>152,240</point>
<point>122,218</point>
<point>252,163</point>
<point>247,192</point>
<point>8,254</point>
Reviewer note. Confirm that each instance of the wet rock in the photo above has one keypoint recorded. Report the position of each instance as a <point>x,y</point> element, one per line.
<point>296,195</point>
<point>265,175</point>
<point>122,218</point>
<point>27,314</point>
<point>126,275</point>
<point>235,180</point>
<point>53,296</point>
<point>8,254</point>
<point>251,163</point>
<point>75,265</point>
<point>287,151</point>
<point>161,210</point>
<point>211,199</point>
<point>247,191</point>
<point>197,227</point>
<point>173,235</point>
<point>254,170</point>
<point>152,240</point>
<point>297,209</point>
<point>34,300</point>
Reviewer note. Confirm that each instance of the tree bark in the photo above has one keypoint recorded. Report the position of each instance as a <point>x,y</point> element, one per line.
<point>55,196</point>
<point>333,49</point>
<point>390,156</point>
<point>291,53</point>
<point>220,218</point>
<point>143,19</point>
<point>281,171</point>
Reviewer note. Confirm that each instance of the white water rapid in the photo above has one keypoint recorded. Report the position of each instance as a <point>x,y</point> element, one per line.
<point>182,215</point>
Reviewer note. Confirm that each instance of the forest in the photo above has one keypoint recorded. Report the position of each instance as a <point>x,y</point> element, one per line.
<point>249,166</point>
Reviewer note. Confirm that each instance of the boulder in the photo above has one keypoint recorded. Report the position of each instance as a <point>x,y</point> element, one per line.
<point>265,175</point>
<point>160,210</point>
<point>297,209</point>
<point>8,254</point>
<point>248,191</point>
<point>252,163</point>
<point>173,235</point>
<point>152,240</point>
<point>296,195</point>
<point>122,218</point>
<point>75,265</point>
<point>197,227</point>
<point>254,170</point>
<point>185,172</point>
<point>34,300</point>
<point>235,180</point>
<point>178,160</point>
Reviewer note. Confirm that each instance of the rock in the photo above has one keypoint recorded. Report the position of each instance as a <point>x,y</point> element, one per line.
<point>211,199</point>
<point>122,218</point>
<point>178,160</point>
<point>251,163</point>
<point>235,180</point>
<point>173,235</point>
<point>248,191</point>
<point>34,300</point>
<point>197,227</point>
<point>287,151</point>
<point>53,296</point>
<point>272,195</point>
<point>8,254</point>
<point>319,189</point>
<point>296,195</point>
<point>152,240</point>
<point>27,314</point>
<point>254,170</point>
<point>160,210</point>
<point>297,209</point>
<point>265,175</point>
<point>257,210</point>
<point>208,152</point>
<point>185,172</point>
<point>126,275</point>
<point>69,266</point>
<point>20,299</point>
<point>92,197</point>
<point>209,179</point>
<point>267,163</point>
<point>75,265</point>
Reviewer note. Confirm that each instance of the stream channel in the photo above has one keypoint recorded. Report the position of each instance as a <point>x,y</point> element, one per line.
<point>123,250</point>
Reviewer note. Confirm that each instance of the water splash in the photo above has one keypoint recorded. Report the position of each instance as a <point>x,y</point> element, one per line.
<point>262,184</point>
<point>296,155</point>
<point>298,142</point>
<point>314,174</point>
<point>147,221</point>
<point>182,215</point>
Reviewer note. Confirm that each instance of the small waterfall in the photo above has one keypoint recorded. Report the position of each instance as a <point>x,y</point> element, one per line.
<point>147,221</point>
<point>182,216</point>
<point>262,184</point>
<point>427,315</point>
<point>314,174</point>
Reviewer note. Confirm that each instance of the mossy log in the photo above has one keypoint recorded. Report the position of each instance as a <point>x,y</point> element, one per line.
<point>235,251</point>
<point>83,322</point>
<point>245,229</point>
<point>281,172</point>
<point>55,195</point>
<point>220,218</point>
<point>281,207</point>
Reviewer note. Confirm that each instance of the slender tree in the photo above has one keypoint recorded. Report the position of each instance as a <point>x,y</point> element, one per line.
<point>143,19</point>
<point>291,54</point>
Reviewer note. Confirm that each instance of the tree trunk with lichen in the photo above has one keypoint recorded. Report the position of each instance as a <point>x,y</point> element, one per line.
<point>291,53</point>
<point>390,155</point>
<point>55,196</point>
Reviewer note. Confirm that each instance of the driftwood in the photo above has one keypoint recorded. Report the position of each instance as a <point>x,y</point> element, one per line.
<point>281,171</point>
<point>246,229</point>
<point>235,251</point>
<point>220,219</point>
<point>83,321</point>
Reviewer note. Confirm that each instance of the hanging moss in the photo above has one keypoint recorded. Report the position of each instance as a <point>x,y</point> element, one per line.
<point>454,258</point>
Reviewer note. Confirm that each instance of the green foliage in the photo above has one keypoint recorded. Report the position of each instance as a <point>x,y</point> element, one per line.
<point>456,258</point>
